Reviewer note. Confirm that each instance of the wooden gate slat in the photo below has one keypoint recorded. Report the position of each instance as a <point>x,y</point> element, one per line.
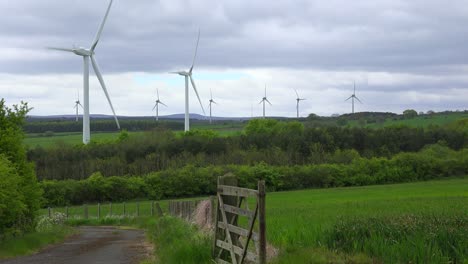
<point>228,234</point>
<point>239,251</point>
<point>238,230</point>
<point>221,261</point>
<point>236,191</point>
<point>238,211</point>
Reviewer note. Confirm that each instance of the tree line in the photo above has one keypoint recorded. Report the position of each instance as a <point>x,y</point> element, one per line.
<point>433,162</point>
<point>102,125</point>
<point>269,141</point>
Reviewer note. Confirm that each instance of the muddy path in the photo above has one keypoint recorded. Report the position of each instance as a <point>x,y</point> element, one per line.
<point>93,245</point>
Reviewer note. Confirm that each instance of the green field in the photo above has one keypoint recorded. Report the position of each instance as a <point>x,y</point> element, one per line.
<point>74,138</point>
<point>439,119</point>
<point>298,222</point>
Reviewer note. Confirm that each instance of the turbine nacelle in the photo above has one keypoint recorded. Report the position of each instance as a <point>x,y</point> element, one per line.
<point>80,51</point>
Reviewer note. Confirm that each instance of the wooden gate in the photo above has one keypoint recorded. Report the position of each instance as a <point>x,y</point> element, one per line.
<point>233,243</point>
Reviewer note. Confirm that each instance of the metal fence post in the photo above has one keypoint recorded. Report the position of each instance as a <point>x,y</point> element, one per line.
<point>99,210</point>
<point>124,211</point>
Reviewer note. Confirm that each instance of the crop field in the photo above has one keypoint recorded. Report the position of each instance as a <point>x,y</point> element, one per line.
<point>305,224</point>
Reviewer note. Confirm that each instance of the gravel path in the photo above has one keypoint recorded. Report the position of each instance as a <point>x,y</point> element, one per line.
<point>93,245</point>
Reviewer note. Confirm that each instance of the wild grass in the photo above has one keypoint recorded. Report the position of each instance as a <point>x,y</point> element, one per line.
<point>29,243</point>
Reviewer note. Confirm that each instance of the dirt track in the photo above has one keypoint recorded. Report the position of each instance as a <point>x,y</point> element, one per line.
<point>92,245</point>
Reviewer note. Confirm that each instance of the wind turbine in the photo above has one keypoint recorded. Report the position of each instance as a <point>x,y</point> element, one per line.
<point>87,54</point>
<point>298,99</point>
<point>157,105</point>
<point>77,103</point>
<point>211,102</point>
<point>188,75</point>
<point>353,96</point>
<point>264,99</point>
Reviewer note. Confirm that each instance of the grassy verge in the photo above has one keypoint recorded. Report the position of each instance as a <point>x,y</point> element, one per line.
<point>32,242</point>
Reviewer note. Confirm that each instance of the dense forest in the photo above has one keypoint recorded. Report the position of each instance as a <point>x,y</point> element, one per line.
<point>269,141</point>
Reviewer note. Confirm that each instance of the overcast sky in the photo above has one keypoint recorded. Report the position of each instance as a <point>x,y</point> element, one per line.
<point>401,54</point>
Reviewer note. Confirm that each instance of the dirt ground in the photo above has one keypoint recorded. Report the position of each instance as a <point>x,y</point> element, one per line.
<point>93,245</point>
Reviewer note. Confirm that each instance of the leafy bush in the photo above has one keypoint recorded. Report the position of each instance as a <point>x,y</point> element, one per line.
<point>20,195</point>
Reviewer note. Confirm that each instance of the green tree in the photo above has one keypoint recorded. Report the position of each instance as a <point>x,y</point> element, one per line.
<point>410,113</point>
<point>12,149</point>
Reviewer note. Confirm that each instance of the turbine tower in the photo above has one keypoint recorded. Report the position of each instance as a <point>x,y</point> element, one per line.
<point>352,97</point>
<point>211,102</point>
<point>188,75</point>
<point>264,99</point>
<point>87,54</point>
<point>158,102</point>
<point>298,99</point>
<point>77,103</point>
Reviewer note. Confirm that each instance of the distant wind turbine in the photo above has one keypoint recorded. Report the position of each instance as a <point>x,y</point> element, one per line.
<point>353,96</point>
<point>264,99</point>
<point>88,53</point>
<point>188,75</point>
<point>298,99</point>
<point>158,102</point>
<point>211,102</point>
<point>77,103</point>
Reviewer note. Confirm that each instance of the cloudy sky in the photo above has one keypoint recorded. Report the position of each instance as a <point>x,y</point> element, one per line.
<point>400,54</point>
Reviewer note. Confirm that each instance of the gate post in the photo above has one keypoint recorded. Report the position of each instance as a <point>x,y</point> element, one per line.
<point>262,221</point>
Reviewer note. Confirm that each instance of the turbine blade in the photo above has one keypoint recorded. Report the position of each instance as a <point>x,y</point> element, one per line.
<point>265,89</point>
<point>261,101</point>
<point>101,27</point>
<point>296,93</point>
<point>268,101</point>
<point>80,105</point>
<point>179,72</point>
<point>154,107</point>
<point>163,103</point>
<point>211,94</point>
<point>215,102</point>
<point>354,88</point>
<point>358,99</point>
<point>196,92</point>
<point>61,49</point>
<point>157,91</point>
<point>196,50</point>
<point>349,98</point>
<point>103,85</point>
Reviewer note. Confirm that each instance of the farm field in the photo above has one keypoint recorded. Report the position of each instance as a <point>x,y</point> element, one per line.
<point>439,119</point>
<point>73,138</point>
<point>298,222</point>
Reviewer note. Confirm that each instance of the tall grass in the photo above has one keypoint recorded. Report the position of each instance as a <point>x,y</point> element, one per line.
<point>405,238</point>
<point>31,242</point>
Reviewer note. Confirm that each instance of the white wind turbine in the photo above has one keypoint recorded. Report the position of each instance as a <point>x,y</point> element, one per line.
<point>353,96</point>
<point>211,102</point>
<point>158,102</point>
<point>87,54</point>
<point>188,75</point>
<point>264,99</point>
<point>77,105</point>
<point>298,99</point>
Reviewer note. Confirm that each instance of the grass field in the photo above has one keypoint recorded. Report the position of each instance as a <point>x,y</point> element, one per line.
<point>298,222</point>
<point>74,138</point>
<point>439,119</point>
